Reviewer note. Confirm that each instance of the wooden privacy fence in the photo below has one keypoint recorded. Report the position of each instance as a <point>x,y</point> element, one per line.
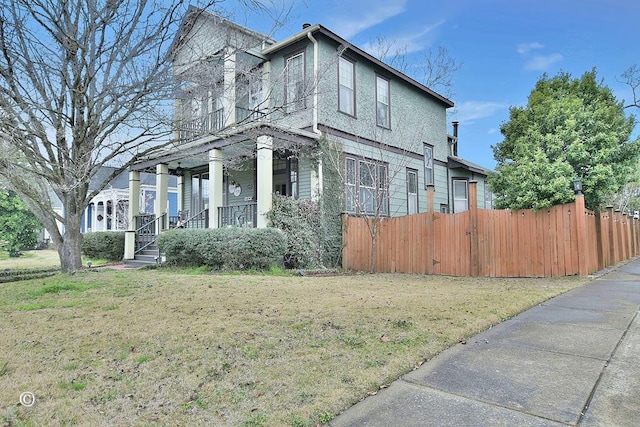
<point>563,240</point>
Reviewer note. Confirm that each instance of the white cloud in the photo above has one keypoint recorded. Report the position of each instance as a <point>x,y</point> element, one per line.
<point>365,15</point>
<point>542,62</point>
<point>469,111</point>
<point>409,42</point>
<point>525,48</point>
<point>492,131</point>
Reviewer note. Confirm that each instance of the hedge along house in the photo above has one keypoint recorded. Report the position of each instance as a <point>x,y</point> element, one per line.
<point>253,115</point>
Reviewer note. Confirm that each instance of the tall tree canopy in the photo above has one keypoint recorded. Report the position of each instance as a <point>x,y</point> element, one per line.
<point>570,128</point>
<point>83,83</point>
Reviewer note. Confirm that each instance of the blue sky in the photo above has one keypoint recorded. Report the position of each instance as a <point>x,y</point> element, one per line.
<point>504,45</point>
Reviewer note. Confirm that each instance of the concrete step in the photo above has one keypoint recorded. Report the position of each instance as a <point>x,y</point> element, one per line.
<point>134,263</point>
<point>149,252</point>
<point>149,259</point>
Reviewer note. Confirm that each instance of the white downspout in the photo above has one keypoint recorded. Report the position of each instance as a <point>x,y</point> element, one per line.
<point>315,83</point>
<point>315,105</point>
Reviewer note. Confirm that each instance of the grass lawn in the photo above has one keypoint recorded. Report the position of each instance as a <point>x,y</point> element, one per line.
<point>30,259</point>
<point>135,348</point>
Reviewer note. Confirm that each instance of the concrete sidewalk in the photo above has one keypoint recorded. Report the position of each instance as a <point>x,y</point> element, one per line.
<point>573,360</point>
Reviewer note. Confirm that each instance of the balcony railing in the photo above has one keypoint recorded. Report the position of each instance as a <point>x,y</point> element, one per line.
<point>238,216</point>
<point>247,115</point>
<point>210,122</point>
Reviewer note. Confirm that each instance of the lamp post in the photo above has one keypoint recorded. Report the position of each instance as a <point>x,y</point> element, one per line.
<point>577,186</point>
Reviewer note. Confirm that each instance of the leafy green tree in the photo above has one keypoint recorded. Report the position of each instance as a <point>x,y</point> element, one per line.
<point>18,226</point>
<point>570,128</point>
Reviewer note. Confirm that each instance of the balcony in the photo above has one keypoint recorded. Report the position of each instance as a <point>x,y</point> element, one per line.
<point>194,128</point>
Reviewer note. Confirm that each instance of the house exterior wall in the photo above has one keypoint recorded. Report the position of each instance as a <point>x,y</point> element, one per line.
<point>301,118</point>
<point>417,117</point>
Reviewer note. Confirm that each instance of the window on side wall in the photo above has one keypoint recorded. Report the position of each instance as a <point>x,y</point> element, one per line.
<point>346,87</point>
<point>366,187</point>
<point>460,195</point>
<point>383,116</point>
<point>294,93</point>
<point>412,191</point>
<point>428,165</point>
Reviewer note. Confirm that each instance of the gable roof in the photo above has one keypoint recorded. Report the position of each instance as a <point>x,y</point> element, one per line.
<point>193,14</point>
<point>455,162</point>
<point>317,28</point>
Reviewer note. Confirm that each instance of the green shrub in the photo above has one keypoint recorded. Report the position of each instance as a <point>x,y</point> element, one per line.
<point>224,248</point>
<point>104,244</point>
<point>300,220</point>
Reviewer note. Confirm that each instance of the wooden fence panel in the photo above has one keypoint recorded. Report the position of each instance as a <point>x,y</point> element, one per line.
<point>558,241</point>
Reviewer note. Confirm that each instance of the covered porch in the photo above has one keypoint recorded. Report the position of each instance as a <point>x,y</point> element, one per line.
<point>226,180</point>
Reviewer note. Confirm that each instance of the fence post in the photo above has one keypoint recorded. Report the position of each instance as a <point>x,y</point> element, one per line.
<point>599,240</point>
<point>345,259</point>
<point>431,189</point>
<point>618,237</point>
<point>612,251</point>
<point>581,227</point>
<point>473,225</point>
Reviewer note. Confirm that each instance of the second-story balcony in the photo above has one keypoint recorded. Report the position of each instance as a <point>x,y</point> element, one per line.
<point>209,122</point>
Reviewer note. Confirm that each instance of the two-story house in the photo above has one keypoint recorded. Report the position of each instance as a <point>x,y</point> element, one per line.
<point>252,114</point>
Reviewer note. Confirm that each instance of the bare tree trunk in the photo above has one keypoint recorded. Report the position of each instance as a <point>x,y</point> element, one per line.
<point>374,245</point>
<point>70,250</point>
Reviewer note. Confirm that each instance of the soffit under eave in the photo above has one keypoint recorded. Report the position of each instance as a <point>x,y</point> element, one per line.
<point>197,149</point>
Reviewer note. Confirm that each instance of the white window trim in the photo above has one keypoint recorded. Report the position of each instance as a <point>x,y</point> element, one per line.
<point>459,199</point>
<point>387,118</point>
<point>410,195</point>
<point>429,176</point>
<point>297,101</point>
<point>352,89</point>
<point>379,189</point>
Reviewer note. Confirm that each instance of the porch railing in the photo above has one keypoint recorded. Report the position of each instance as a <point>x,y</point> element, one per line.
<point>238,216</point>
<point>146,226</point>
<point>199,220</point>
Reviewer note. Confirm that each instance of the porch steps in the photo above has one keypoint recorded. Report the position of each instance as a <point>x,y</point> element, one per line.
<point>147,256</point>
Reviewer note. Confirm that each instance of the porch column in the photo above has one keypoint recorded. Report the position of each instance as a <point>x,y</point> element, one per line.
<point>316,182</point>
<point>180,193</point>
<point>229,94</point>
<point>215,186</point>
<point>264,181</point>
<point>94,215</point>
<point>134,209</point>
<point>162,194</point>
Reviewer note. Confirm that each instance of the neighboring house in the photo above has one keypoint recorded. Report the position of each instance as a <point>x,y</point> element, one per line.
<point>252,111</point>
<point>109,209</point>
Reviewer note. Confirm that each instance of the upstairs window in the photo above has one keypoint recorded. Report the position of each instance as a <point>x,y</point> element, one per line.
<point>428,165</point>
<point>346,89</point>
<point>382,102</point>
<point>294,93</point>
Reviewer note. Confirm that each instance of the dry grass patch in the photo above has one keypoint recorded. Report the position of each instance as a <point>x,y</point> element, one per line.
<point>158,347</point>
<point>30,259</point>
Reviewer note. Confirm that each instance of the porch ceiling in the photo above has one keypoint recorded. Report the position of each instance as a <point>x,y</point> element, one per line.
<point>195,153</point>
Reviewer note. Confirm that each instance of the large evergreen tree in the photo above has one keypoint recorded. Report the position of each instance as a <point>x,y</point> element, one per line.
<point>570,128</point>
<point>18,226</point>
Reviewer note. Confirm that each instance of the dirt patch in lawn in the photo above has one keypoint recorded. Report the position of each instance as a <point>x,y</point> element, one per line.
<point>145,347</point>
